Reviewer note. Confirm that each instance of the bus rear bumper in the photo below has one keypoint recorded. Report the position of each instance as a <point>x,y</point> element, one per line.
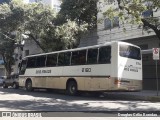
<point>129,85</point>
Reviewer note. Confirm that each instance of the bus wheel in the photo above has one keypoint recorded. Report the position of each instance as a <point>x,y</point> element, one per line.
<point>72,88</point>
<point>29,86</point>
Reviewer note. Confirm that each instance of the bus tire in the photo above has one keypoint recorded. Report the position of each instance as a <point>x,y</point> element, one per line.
<point>28,86</point>
<point>72,88</point>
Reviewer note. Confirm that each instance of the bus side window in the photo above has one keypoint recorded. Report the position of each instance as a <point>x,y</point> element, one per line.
<point>41,61</point>
<point>82,57</point>
<point>67,57</point>
<point>51,60</point>
<point>31,62</point>
<point>105,55</point>
<point>60,59</point>
<point>74,58</point>
<point>92,56</point>
<point>78,57</point>
<point>64,59</point>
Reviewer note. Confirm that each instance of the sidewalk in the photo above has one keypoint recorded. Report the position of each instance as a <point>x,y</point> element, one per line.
<point>146,95</point>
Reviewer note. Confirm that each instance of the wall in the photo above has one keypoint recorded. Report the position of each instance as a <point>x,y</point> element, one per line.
<point>133,34</point>
<point>32,47</point>
<point>54,4</point>
<point>102,34</point>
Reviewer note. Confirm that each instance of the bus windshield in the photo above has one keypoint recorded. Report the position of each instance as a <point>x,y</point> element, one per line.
<point>130,52</point>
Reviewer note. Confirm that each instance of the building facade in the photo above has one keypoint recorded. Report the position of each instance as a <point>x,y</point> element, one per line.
<point>114,31</point>
<point>54,4</point>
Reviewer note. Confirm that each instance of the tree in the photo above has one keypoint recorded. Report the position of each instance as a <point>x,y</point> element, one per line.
<point>40,24</point>
<point>17,18</point>
<point>64,36</point>
<point>10,21</point>
<point>137,12</point>
<point>69,33</point>
<point>81,11</point>
<point>38,20</point>
<point>7,51</point>
<point>82,14</point>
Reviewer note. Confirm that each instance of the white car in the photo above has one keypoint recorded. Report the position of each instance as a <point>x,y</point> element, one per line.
<point>11,81</point>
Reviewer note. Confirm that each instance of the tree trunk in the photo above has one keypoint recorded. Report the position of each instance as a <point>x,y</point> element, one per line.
<point>145,22</point>
<point>37,42</point>
<point>7,65</point>
<point>153,27</point>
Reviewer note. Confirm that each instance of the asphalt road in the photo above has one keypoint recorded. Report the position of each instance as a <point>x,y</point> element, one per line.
<point>59,104</point>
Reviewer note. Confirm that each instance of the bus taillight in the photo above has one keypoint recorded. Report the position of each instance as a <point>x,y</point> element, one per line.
<point>117,82</point>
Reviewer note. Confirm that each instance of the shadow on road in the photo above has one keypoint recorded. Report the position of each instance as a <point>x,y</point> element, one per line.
<point>60,94</point>
<point>19,99</point>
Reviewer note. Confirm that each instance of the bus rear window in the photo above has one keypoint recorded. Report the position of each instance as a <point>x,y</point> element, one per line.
<point>130,52</point>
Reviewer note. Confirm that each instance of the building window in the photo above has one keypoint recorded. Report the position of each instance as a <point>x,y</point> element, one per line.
<point>26,52</point>
<point>35,0</point>
<point>57,8</point>
<point>31,0</point>
<point>109,24</point>
<point>147,13</point>
<point>110,1</point>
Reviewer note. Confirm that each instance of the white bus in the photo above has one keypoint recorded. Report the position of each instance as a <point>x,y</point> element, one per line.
<point>113,66</point>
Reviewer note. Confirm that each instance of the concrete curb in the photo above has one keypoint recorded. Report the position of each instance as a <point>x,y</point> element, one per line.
<point>123,96</point>
<point>153,98</point>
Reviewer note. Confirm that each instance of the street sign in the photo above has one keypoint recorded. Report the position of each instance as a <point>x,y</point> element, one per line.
<point>156,57</point>
<point>155,53</point>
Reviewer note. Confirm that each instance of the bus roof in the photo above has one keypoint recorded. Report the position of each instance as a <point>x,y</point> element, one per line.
<point>81,48</point>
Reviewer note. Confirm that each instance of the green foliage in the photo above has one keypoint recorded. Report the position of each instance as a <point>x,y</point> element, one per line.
<point>81,11</point>
<point>40,23</point>
<point>74,18</point>
<point>64,36</point>
<point>38,18</point>
<point>132,12</point>
<point>10,21</point>
<point>69,33</point>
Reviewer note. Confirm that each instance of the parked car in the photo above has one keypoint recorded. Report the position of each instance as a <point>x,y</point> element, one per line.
<point>11,81</point>
<point>1,80</point>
